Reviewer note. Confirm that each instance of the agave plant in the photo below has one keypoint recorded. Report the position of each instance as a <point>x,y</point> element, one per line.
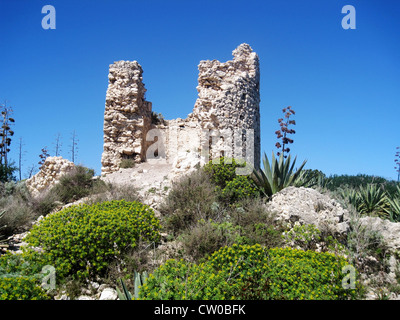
<point>394,211</point>
<point>1,215</point>
<point>373,200</point>
<point>277,175</point>
<point>139,280</point>
<point>124,294</point>
<point>350,195</point>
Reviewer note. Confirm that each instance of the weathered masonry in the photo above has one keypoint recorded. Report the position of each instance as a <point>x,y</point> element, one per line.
<point>225,120</point>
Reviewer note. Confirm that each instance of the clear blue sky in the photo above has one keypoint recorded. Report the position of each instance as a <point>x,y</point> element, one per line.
<point>343,84</point>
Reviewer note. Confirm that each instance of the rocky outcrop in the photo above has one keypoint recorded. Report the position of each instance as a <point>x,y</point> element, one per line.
<point>51,171</point>
<point>94,291</point>
<point>308,206</point>
<point>390,231</point>
<point>375,241</point>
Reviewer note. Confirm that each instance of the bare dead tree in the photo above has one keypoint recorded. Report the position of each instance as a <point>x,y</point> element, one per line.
<point>74,146</point>
<point>57,145</point>
<point>20,155</point>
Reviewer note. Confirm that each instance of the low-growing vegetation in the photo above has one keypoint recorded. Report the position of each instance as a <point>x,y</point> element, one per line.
<point>20,277</point>
<point>251,272</point>
<point>231,246</point>
<point>77,239</point>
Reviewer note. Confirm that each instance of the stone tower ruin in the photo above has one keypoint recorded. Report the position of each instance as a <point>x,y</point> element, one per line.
<point>127,116</point>
<point>225,120</point>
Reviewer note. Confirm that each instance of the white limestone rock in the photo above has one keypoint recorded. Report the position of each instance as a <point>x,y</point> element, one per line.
<point>308,206</point>
<point>51,171</point>
<point>109,294</point>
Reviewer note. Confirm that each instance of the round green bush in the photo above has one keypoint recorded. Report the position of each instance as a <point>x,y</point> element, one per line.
<point>239,188</point>
<point>230,186</point>
<point>222,171</point>
<point>20,276</point>
<point>190,199</point>
<point>83,239</point>
<point>21,288</point>
<point>252,272</point>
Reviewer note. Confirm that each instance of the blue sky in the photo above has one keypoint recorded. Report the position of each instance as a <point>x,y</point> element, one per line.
<point>343,84</point>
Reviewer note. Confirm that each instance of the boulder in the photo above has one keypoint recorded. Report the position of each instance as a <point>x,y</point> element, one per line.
<point>109,294</point>
<point>308,206</point>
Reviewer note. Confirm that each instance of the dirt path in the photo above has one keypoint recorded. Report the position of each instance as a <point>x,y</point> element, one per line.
<point>150,178</point>
<point>146,174</point>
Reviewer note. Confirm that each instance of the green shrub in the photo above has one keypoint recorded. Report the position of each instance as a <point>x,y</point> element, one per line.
<point>239,188</point>
<point>222,170</point>
<point>245,222</point>
<point>190,199</point>
<point>74,185</point>
<point>252,272</point>
<point>84,239</point>
<point>230,186</point>
<point>127,163</point>
<point>21,288</point>
<point>304,236</point>
<point>207,237</point>
<point>179,280</point>
<point>20,276</point>
<point>257,225</point>
<point>27,263</point>
<point>16,203</point>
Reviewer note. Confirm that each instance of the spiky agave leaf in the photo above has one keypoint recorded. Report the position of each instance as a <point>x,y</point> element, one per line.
<point>277,175</point>
<point>124,294</point>
<point>394,211</point>
<point>350,195</point>
<point>394,203</point>
<point>373,200</point>
<point>139,281</point>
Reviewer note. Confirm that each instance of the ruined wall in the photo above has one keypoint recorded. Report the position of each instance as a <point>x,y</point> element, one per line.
<point>127,116</point>
<point>225,120</point>
<point>50,173</point>
<point>229,103</point>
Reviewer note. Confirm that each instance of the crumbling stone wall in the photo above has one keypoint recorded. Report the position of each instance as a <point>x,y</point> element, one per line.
<point>50,173</point>
<point>225,120</point>
<point>229,102</point>
<point>127,116</point>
